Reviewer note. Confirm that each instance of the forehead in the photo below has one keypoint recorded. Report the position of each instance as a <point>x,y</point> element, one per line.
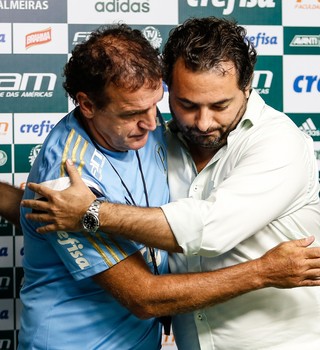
<point>143,98</point>
<point>216,81</point>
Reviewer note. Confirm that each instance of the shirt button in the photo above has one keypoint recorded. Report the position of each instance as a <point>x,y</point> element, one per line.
<point>195,188</point>
<point>199,317</point>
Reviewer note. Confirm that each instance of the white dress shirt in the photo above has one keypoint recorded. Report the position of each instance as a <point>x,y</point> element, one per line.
<point>257,191</point>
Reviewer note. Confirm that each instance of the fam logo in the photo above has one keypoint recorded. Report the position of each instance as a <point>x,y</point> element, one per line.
<point>38,38</point>
<point>228,6</point>
<point>308,4</point>
<point>153,35</point>
<point>116,6</point>
<point>27,84</point>
<point>32,83</point>
<point>6,283</point>
<point>4,128</point>
<point>262,80</point>
<point>5,343</point>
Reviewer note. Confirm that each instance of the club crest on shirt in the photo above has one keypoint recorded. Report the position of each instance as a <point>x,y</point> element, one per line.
<point>161,157</point>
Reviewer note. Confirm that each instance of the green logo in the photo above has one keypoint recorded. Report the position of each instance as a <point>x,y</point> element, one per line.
<point>267,80</point>
<point>25,156</point>
<point>301,41</point>
<point>32,83</point>
<point>245,11</point>
<point>5,159</point>
<point>308,123</point>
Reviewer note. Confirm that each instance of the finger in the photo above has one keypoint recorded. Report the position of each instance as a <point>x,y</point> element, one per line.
<point>312,253</point>
<point>73,172</point>
<point>36,204</point>
<point>313,274</point>
<point>304,242</point>
<point>47,228</point>
<point>40,189</point>
<point>39,217</point>
<point>310,283</point>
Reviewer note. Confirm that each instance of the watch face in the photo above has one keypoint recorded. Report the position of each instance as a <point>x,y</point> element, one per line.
<point>90,222</point>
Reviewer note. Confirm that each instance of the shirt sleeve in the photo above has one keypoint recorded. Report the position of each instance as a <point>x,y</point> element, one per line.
<point>272,175</point>
<point>85,254</point>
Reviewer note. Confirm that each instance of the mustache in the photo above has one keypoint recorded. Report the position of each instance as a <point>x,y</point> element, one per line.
<point>195,130</point>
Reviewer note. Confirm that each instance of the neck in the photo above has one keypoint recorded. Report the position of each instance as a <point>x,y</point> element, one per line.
<point>201,156</point>
<point>94,135</point>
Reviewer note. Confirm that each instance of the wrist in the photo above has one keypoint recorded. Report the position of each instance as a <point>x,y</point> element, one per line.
<point>90,221</point>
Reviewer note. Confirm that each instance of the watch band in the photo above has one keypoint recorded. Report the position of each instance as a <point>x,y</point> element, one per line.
<point>90,220</point>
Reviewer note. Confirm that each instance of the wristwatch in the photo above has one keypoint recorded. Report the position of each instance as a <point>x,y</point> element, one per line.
<point>90,220</point>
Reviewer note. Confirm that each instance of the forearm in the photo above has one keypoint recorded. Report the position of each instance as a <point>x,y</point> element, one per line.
<point>10,203</point>
<point>175,294</point>
<point>288,265</point>
<point>153,230</point>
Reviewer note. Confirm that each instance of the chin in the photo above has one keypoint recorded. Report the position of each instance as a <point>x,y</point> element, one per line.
<point>139,143</point>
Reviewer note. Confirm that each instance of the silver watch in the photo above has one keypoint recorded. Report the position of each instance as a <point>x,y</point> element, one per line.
<point>90,220</point>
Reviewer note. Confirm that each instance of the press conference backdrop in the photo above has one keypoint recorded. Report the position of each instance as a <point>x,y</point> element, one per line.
<point>37,37</point>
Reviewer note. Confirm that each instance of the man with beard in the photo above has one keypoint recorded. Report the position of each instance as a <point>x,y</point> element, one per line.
<point>242,177</point>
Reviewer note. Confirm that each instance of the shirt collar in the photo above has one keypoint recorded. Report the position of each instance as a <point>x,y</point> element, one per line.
<point>254,108</point>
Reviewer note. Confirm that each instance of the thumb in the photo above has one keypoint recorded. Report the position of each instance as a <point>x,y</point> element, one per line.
<point>305,242</point>
<point>72,172</point>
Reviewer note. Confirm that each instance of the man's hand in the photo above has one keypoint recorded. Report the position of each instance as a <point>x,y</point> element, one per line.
<point>291,264</point>
<point>64,209</point>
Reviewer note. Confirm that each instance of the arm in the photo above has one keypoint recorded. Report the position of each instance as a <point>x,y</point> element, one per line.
<point>10,203</point>
<point>146,295</point>
<point>64,210</point>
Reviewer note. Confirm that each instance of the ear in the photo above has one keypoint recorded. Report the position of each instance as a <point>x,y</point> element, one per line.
<point>85,104</point>
<point>247,91</point>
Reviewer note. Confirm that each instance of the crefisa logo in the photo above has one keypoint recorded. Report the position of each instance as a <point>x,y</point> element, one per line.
<point>263,39</point>
<point>229,5</point>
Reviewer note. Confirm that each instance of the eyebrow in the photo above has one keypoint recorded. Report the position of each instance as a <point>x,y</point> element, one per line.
<point>133,112</point>
<point>181,99</point>
<point>139,111</point>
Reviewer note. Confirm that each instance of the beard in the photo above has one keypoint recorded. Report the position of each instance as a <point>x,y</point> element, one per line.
<point>195,136</point>
<point>201,139</point>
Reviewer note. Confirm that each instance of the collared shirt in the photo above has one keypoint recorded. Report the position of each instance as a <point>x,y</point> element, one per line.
<point>63,308</point>
<point>257,191</point>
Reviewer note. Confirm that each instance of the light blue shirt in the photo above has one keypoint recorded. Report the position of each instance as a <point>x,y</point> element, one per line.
<point>63,308</point>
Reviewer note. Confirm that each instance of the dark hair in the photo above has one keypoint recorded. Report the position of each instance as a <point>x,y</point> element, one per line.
<point>203,43</point>
<point>114,54</point>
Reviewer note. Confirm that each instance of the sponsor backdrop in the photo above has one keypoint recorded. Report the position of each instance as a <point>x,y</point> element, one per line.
<point>37,37</point>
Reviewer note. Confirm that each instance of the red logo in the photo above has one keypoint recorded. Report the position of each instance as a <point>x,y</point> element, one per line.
<point>38,38</point>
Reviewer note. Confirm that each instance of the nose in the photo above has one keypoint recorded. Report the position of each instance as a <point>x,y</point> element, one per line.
<point>148,120</point>
<point>204,119</point>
